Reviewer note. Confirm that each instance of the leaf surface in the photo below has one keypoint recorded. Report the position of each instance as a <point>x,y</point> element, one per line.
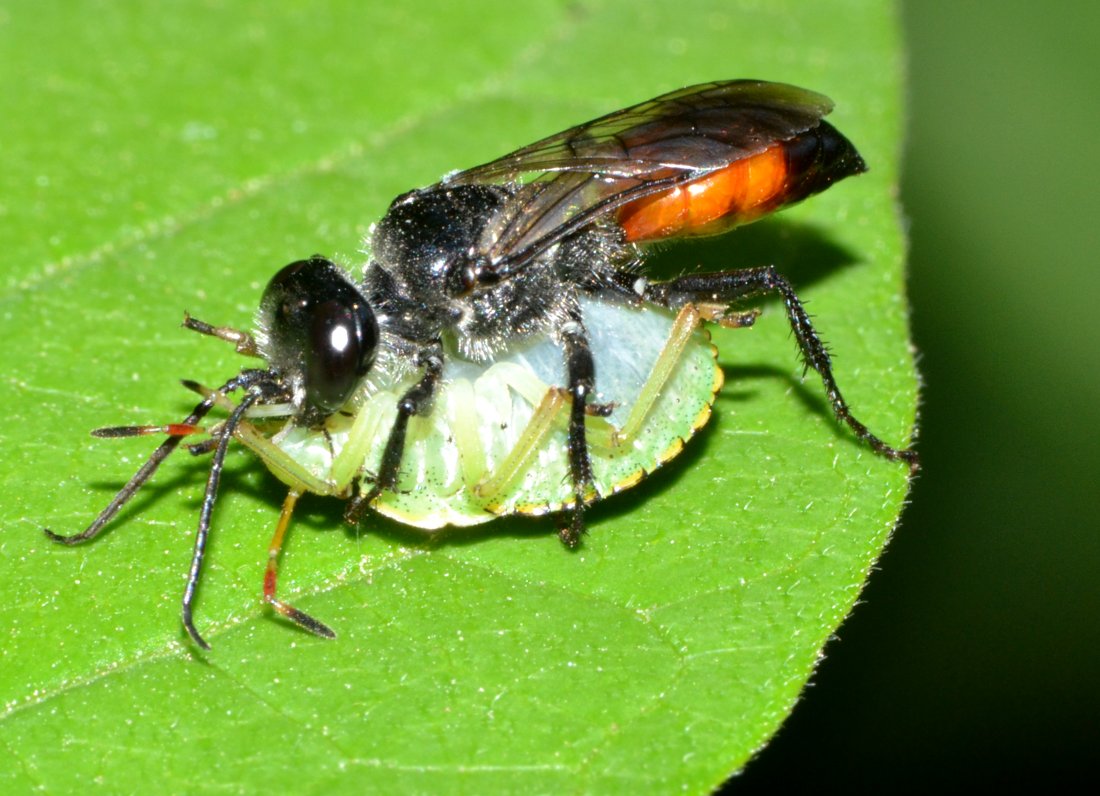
<point>168,157</point>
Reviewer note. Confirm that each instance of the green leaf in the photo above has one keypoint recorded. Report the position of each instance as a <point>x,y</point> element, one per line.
<point>166,157</point>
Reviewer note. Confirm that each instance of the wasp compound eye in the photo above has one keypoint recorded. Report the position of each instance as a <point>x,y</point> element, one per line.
<point>322,335</point>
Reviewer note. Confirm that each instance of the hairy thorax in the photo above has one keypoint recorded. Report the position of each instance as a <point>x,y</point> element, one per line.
<point>432,240</point>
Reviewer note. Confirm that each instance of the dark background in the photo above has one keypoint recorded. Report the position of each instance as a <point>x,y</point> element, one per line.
<point>975,657</point>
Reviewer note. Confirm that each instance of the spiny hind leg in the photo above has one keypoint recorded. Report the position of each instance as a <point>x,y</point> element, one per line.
<point>724,287</point>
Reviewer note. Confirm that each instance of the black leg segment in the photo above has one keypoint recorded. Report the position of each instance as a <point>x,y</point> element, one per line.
<point>163,451</point>
<point>581,374</point>
<point>725,287</point>
<point>417,400</point>
<point>206,514</point>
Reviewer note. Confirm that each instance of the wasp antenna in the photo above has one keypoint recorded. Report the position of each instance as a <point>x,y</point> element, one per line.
<point>243,342</point>
<point>189,626</point>
<point>194,386</point>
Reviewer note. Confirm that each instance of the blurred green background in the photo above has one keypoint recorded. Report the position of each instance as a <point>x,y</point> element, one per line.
<point>976,656</point>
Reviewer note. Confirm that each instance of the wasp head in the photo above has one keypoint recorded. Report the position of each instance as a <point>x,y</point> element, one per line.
<point>318,333</point>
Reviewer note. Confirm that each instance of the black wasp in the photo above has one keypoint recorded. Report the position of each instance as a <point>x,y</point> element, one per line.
<point>506,252</point>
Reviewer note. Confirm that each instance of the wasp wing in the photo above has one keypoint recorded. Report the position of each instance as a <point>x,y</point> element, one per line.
<point>582,174</point>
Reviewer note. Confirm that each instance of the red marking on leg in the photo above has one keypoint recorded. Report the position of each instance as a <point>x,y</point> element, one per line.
<point>181,430</point>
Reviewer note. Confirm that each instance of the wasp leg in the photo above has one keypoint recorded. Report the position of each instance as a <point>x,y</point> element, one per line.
<point>581,374</point>
<point>176,432</point>
<point>549,417</point>
<point>725,287</point>
<point>271,574</point>
<point>278,461</point>
<point>417,400</point>
<point>600,434</point>
<point>206,513</point>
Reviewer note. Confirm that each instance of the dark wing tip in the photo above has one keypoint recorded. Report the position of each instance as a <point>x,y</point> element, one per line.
<point>767,93</point>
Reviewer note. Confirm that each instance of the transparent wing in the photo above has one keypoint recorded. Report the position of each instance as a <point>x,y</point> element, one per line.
<point>582,174</point>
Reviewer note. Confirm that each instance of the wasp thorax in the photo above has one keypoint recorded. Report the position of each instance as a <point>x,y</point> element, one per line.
<point>320,334</point>
<point>428,237</point>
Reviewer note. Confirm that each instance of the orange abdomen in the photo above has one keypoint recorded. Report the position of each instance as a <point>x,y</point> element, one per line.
<point>732,195</point>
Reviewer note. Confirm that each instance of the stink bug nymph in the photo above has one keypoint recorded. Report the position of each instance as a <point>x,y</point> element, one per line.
<point>504,351</point>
